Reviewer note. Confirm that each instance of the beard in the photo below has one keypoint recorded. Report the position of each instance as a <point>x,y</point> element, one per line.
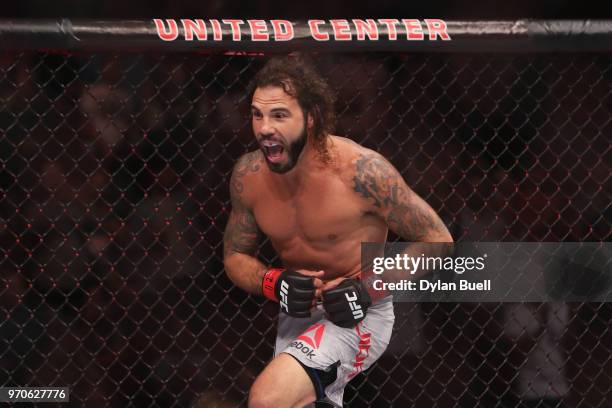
<point>294,150</point>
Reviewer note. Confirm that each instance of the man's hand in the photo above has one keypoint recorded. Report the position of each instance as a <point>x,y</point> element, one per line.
<point>294,290</point>
<point>347,303</point>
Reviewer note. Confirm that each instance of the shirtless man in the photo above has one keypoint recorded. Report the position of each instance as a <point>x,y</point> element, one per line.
<point>317,197</point>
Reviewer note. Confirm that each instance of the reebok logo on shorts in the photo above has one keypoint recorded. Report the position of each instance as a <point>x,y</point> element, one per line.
<point>313,335</point>
<point>300,346</point>
<point>310,340</point>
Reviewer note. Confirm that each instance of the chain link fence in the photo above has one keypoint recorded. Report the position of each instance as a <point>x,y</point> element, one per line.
<point>114,178</point>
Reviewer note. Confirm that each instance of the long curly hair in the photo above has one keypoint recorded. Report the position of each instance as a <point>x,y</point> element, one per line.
<point>299,79</point>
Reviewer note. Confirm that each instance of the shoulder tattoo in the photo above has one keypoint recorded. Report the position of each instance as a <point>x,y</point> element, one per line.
<point>249,163</point>
<point>376,179</point>
<point>404,211</point>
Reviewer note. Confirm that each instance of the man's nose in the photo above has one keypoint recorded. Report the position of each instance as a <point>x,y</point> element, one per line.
<point>266,127</point>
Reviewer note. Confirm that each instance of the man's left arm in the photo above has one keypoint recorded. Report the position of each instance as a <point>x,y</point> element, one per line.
<point>388,195</point>
<point>405,213</point>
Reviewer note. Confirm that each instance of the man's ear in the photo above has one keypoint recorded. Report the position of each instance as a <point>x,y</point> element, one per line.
<point>310,120</point>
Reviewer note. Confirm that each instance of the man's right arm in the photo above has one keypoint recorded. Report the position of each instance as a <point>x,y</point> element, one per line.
<point>242,234</point>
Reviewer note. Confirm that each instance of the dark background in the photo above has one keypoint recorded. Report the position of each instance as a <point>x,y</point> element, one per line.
<point>114,180</point>
<point>465,10</point>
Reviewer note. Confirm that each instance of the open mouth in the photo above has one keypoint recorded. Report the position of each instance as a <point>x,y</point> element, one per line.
<point>273,150</point>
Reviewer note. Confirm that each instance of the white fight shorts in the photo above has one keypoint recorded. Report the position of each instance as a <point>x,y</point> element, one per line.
<point>333,355</point>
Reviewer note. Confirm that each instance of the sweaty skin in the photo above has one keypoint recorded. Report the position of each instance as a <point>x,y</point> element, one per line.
<point>320,224</point>
<point>316,214</point>
<point>316,209</point>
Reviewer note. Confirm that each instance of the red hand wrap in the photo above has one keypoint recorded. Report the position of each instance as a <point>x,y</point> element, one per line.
<point>269,283</point>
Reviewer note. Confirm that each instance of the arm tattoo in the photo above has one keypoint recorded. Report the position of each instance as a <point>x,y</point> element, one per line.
<point>249,163</point>
<point>405,212</point>
<point>375,179</point>
<point>241,233</point>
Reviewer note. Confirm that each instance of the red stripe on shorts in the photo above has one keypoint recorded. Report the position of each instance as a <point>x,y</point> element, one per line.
<point>362,353</point>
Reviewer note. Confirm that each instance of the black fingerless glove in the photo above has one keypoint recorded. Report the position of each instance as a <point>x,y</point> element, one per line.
<point>347,304</point>
<point>294,292</point>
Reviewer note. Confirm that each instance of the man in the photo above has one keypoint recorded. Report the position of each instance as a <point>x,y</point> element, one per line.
<point>317,197</point>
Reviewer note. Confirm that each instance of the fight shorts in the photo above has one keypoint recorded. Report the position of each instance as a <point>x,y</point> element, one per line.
<point>332,355</point>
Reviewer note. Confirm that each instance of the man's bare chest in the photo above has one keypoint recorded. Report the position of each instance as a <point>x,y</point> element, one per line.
<point>320,212</point>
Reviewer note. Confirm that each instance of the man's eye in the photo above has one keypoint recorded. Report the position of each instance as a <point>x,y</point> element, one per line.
<point>257,115</point>
<point>280,115</point>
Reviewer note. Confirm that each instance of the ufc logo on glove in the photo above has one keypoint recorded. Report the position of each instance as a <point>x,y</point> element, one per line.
<point>352,299</point>
<point>284,291</point>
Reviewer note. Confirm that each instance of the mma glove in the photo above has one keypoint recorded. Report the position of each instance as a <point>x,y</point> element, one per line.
<point>295,292</point>
<point>347,304</point>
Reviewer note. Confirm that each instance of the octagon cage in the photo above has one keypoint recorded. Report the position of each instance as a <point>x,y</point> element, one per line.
<point>116,149</point>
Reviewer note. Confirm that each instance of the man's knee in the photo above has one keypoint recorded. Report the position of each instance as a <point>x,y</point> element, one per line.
<point>261,399</point>
<point>283,383</point>
<point>273,397</point>
<point>262,394</point>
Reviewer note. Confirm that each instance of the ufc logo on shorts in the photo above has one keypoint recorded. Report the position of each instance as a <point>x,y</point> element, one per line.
<point>357,312</point>
<point>284,291</point>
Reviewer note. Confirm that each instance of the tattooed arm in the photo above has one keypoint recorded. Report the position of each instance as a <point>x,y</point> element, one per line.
<point>242,234</point>
<point>405,213</point>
